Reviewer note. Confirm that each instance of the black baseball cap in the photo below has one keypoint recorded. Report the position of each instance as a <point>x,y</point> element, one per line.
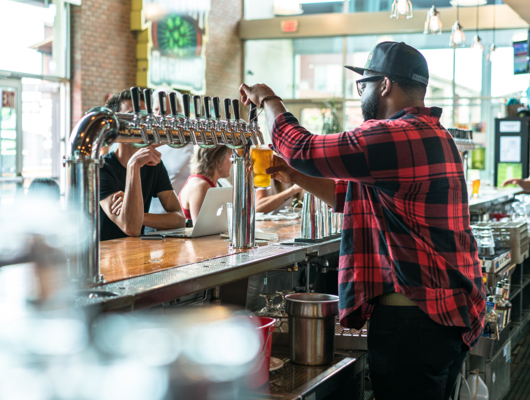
<point>396,60</point>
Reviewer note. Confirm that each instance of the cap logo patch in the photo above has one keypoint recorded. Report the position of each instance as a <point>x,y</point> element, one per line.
<point>420,79</point>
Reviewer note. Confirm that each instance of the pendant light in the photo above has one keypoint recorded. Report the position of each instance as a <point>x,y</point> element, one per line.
<point>401,9</point>
<point>433,24</point>
<point>477,41</point>
<point>492,54</point>
<point>458,38</point>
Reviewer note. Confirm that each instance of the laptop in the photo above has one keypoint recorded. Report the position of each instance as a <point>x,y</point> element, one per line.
<point>212,217</point>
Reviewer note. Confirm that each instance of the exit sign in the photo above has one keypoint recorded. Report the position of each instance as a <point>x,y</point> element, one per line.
<point>290,26</point>
<point>8,99</point>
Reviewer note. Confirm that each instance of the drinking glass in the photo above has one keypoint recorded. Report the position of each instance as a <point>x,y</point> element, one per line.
<point>485,241</point>
<point>476,187</point>
<point>261,158</point>
<point>519,210</point>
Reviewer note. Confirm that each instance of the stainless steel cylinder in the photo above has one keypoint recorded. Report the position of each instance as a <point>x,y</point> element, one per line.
<point>244,211</point>
<point>325,220</point>
<point>99,126</point>
<point>311,226</point>
<point>82,188</point>
<point>312,327</point>
<point>333,221</point>
<point>339,217</point>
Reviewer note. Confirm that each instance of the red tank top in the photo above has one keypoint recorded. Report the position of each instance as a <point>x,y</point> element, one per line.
<point>187,212</point>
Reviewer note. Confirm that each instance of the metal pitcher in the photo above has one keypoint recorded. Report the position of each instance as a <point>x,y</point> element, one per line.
<point>312,327</point>
<point>311,225</point>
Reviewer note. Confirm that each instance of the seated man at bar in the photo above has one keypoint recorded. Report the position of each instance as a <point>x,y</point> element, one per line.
<point>176,161</point>
<point>408,258</point>
<point>130,178</point>
<point>207,167</point>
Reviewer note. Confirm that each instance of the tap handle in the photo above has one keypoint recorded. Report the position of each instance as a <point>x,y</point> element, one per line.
<point>148,94</point>
<point>217,107</point>
<point>253,113</point>
<point>197,106</point>
<point>173,103</point>
<point>227,109</point>
<point>235,106</point>
<point>162,102</point>
<point>135,96</point>
<point>186,101</point>
<point>207,110</point>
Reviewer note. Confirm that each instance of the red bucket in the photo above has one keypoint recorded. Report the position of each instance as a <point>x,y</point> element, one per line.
<point>260,371</point>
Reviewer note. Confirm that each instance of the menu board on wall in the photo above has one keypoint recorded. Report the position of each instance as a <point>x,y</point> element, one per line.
<point>510,150</point>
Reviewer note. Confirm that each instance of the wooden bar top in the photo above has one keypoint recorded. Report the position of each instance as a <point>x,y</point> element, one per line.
<point>131,257</point>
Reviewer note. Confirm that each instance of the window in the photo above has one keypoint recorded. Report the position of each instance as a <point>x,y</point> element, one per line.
<point>300,68</point>
<point>34,128</point>
<point>37,37</point>
<point>310,72</point>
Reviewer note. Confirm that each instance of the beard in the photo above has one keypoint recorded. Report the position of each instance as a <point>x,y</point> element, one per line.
<point>370,106</point>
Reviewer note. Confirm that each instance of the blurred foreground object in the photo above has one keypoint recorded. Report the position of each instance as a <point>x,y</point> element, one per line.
<point>50,350</point>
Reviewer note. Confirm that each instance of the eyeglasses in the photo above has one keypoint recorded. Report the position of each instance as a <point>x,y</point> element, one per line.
<point>361,82</point>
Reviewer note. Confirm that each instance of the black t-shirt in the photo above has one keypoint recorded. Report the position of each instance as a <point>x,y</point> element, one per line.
<point>112,179</point>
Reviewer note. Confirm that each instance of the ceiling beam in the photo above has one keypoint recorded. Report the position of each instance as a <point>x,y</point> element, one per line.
<point>521,7</point>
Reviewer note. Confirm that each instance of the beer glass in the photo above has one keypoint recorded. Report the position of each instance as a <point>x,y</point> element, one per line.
<point>261,160</point>
<point>476,186</point>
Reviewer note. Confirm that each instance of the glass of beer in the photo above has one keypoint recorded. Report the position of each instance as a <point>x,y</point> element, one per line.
<point>261,160</point>
<point>476,187</point>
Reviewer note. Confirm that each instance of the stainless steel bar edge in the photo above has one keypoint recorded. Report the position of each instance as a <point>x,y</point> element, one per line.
<point>152,289</point>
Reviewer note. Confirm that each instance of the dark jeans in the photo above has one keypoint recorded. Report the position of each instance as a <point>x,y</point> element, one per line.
<point>411,356</point>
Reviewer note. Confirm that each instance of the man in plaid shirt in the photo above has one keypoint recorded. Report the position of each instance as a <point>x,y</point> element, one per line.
<point>408,258</point>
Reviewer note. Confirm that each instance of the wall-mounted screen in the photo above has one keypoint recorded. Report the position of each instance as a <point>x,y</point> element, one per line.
<point>520,57</point>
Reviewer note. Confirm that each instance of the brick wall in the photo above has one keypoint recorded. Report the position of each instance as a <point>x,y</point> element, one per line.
<point>224,49</point>
<point>104,48</point>
<point>103,56</point>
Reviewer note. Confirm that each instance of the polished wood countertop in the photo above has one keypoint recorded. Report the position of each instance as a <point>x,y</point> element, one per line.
<point>131,257</point>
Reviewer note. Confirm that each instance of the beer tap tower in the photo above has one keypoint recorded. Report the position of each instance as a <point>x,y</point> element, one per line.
<point>101,127</point>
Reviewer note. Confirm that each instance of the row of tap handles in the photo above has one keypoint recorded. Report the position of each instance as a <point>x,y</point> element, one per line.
<point>203,130</point>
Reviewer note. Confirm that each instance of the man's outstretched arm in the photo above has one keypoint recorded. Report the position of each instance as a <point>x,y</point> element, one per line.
<point>174,217</point>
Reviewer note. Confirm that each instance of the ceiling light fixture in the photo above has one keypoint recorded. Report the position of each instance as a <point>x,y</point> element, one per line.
<point>458,38</point>
<point>433,24</point>
<point>477,41</point>
<point>401,9</point>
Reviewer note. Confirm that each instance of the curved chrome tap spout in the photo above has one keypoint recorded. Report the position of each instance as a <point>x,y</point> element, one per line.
<point>83,162</point>
<point>98,127</point>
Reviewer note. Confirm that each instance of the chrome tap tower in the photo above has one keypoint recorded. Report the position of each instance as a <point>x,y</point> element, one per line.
<point>100,126</point>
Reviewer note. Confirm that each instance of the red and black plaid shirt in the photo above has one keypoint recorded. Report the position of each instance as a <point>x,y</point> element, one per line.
<point>401,186</point>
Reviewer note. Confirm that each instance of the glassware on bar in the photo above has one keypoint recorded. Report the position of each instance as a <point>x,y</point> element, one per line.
<point>476,187</point>
<point>261,158</point>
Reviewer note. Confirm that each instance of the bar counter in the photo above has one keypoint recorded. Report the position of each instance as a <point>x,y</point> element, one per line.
<point>489,196</point>
<point>143,273</point>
